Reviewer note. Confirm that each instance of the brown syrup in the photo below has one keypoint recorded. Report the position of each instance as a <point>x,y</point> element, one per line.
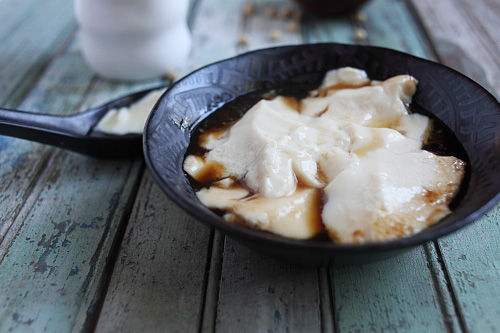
<point>440,141</point>
<point>212,171</point>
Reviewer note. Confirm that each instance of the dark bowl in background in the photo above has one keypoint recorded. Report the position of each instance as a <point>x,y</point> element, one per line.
<point>466,108</point>
<point>331,7</point>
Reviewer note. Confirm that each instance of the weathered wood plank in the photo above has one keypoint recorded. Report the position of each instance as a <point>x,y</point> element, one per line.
<point>466,38</point>
<point>28,49</point>
<point>158,280</point>
<point>389,24</point>
<point>47,269</point>
<point>207,49</point>
<point>62,212</point>
<point>281,296</point>
<point>391,296</point>
<point>86,317</point>
<point>472,259</point>
<point>260,294</point>
<point>12,14</point>
<point>21,162</point>
<point>25,51</point>
<point>152,291</point>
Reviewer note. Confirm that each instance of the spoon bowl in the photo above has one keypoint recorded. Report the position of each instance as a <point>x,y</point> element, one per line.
<point>77,132</point>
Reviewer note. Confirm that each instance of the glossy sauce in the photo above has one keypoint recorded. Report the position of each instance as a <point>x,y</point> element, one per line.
<point>440,141</point>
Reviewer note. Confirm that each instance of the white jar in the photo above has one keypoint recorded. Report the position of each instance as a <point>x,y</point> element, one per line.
<point>133,39</point>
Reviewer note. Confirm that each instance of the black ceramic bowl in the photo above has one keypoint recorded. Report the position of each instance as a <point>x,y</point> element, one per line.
<point>465,107</point>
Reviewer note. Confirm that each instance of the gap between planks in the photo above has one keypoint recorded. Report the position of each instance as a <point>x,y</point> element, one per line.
<point>429,47</point>
<point>33,189</point>
<point>435,259</point>
<point>92,318</point>
<point>444,289</point>
<point>213,271</point>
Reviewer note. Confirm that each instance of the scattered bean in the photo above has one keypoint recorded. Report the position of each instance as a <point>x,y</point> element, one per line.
<point>275,35</point>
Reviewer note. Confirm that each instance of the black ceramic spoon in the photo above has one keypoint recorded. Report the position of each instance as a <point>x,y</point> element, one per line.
<point>76,132</point>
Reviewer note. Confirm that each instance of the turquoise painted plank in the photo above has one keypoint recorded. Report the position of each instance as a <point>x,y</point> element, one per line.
<point>324,30</point>
<point>146,262</point>
<point>260,294</point>
<point>158,281</point>
<point>78,204</point>
<point>466,38</point>
<point>362,301</point>
<point>280,297</point>
<point>390,24</point>
<point>472,258</point>
<point>395,295</point>
<point>12,14</point>
<point>215,32</point>
<point>47,270</point>
<point>22,161</point>
<point>60,211</point>
<point>30,47</point>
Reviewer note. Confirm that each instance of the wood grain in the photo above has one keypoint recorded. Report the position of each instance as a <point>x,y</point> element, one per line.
<point>395,295</point>
<point>45,277</point>
<point>260,294</point>
<point>62,216</point>
<point>465,35</point>
<point>164,291</point>
<point>388,24</point>
<point>472,260</point>
<point>62,212</point>
<point>12,15</point>
<point>257,293</point>
<point>21,162</point>
<point>466,38</point>
<point>28,49</point>
<point>403,289</point>
<point>158,281</point>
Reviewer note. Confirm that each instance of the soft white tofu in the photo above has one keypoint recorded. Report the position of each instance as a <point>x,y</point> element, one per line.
<point>296,216</point>
<point>221,198</point>
<point>388,196</point>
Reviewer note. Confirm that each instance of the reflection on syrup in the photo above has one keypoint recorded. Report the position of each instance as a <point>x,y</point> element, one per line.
<point>213,171</point>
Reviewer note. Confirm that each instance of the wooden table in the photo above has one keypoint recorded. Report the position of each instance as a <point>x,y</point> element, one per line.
<point>88,245</point>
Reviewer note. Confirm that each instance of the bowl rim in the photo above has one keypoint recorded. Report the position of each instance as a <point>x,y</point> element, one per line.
<point>258,236</point>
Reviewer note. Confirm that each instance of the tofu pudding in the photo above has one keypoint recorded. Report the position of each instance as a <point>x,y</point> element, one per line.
<point>129,119</point>
<point>346,160</point>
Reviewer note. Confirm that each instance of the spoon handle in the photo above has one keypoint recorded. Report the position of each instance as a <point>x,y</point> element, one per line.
<point>68,132</point>
<point>17,123</point>
<point>76,132</point>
